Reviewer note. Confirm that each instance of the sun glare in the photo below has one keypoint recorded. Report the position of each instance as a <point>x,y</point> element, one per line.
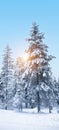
<point>25,57</point>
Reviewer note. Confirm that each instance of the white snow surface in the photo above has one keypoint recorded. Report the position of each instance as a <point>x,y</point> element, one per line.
<point>28,120</point>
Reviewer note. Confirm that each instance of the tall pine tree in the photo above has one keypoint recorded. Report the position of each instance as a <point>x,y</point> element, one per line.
<point>38,61</point>
<point>7,77</point>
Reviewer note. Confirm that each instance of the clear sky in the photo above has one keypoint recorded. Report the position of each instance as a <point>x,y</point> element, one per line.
<point>16,18</point>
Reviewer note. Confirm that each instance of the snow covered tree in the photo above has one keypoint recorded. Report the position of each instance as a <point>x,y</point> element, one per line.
<point>19,85</point>
<point>26,80</point>
<point>7,77</point>
<point>56,90</point>
<point>38,61</point>
<point>1,93</point>
<point>49,91</point>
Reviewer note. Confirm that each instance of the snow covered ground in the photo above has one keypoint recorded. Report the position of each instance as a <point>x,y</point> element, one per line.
<point>29,120</point>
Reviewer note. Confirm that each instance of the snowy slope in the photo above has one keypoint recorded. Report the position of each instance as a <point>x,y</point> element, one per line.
<point>10,120</point>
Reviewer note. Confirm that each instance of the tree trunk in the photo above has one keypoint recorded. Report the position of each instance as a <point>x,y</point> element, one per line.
<point>6,99</point>
<point>26,105</point>
<point>50,108</point>
<point>38,96</point>
<point>38,101</point>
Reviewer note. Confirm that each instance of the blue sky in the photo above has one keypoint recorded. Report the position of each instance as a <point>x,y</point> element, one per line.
<point>16,18</point>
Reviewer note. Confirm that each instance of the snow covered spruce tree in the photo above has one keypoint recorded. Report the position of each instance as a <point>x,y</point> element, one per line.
<point>38,61</point>
<point>27,90</point>
<point>23,89</point>
<point>48,89</point>
<point>7,77</point>
<point>1,93</point>
<point>56,91</point>
<point>19,85</point>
